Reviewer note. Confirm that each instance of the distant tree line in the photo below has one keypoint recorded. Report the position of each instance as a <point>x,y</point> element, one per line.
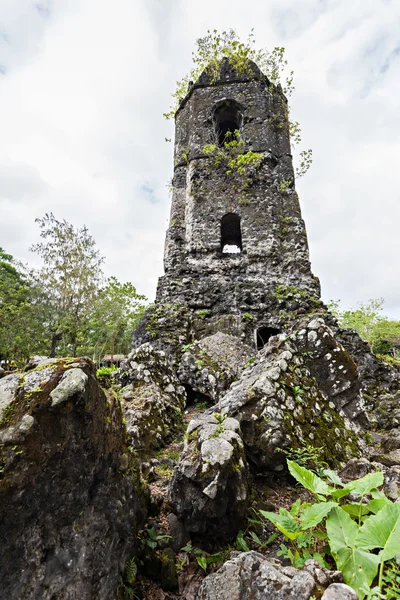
<point>66,307</point>
<point>381,333</point>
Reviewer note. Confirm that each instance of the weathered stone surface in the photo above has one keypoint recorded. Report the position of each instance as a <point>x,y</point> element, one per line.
<point>332,367</point>
<point>153,398</point>
<point>357,468</point>
<point>376,376</point>
<point>339,591</point>
<point>212,364</point>
<point>168,327</point>
<point>69,498</point>
<point>269,281</point>
<point>389,459</point>
<point>387,411</point>
<point>279,405</point>
<point>250,576</point>
<point>209,490</point>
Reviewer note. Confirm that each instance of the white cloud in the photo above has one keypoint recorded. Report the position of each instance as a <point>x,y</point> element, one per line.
<point>82,132</point>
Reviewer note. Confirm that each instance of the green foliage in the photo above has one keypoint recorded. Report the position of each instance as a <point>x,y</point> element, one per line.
<point>215,46</point>
<point>153,538</point>
<point>21,330</point>
<point>307,456</point>
<point>70,277</point>
<point>116,311</point>
<point>368,320</point>
<point>361,537</point>
<point>234,157</point>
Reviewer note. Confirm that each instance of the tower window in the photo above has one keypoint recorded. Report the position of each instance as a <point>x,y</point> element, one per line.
<point>227,119</point>
<point>263,334</point>
<point>231,235</point>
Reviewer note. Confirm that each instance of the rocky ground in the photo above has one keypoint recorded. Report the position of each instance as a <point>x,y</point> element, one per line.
<point>151,484</point>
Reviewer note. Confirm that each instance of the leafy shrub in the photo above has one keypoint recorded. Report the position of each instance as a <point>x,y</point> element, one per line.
<point>362,537</point>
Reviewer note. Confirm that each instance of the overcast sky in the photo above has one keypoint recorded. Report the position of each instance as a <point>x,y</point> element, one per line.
<point>84,83</point>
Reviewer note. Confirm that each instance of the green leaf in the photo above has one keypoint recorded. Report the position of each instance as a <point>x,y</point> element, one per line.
<point>314,514</point>
<point>359,567</point>
<point>377,504</point>
<point>308,479</point>
<point>202,562</point>
<point>285,523</point>
<point>382,531</point>
<point>241,542</point>
<point>355,510</point>
<point>333,477</point>
<point>294,511</point>
<point>366,484</point>
<point>255,538</point>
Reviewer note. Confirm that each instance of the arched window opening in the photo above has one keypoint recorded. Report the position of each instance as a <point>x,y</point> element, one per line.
<point>231,235</point>
<point>263,334</point>
<point>228,119</point>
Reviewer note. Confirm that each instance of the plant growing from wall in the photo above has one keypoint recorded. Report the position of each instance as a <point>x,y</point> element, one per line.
<point>216,46</point>
<point>239,163</point>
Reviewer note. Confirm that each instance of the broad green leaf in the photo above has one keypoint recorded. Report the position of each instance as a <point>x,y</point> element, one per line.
<point>308,479</point>
<point>285,523</point>
<point>342,530</point>
<point>340,493</point>
<point>333,477</point>
<point>314,514</point>
<point>359,567</point>
<point>366,484</point>
<point>377,504</point>
<point>355,510</point>
<point>382,531</point>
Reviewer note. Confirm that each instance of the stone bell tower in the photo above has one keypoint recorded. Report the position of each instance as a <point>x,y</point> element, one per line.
<point>236,252</point>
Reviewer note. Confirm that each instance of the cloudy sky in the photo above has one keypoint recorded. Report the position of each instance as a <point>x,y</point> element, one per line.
<point>84,83</point>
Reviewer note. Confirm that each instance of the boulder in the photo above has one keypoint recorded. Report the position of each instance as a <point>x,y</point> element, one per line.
<point>377,377</point>
<point>70,499</point>
<point>339,591</point>
<point>333,368</point>
<point>209,490</point>
<point>280,406</point>
<point>153,399</point>
<point>250,576</point>
<point>209,366</point>
<point>387,411</point>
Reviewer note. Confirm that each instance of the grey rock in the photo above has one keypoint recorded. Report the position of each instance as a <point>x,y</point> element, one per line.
<point>250,576</point>
<point>339,591</point>
<point>179,535</point>
<point>72,383</point>
<point>213,363</point>
<point>8,388</point>
<point>69,513</point>
<point>153,398</point>
<point>389,459</point>
<point>282,408</point>
<point>209,490</point>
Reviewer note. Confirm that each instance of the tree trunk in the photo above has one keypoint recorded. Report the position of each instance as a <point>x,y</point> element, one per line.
<point>56,337</point>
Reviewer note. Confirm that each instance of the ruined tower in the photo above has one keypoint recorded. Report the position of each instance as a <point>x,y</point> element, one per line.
<point>236,252</point>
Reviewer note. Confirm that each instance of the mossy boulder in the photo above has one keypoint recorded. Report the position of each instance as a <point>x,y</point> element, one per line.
<point>280,406</point>
<point>210,365</point>
<point>209,490</point>
<point>69,489</point>
<point>153,399</point>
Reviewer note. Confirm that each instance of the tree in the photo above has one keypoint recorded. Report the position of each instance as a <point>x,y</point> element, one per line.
<point>20,329</point>
<point>71,277</point>
<point>368,320</point>
<point>117,310</point>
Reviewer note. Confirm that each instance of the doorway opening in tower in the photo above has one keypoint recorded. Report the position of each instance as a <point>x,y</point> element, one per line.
<point>228,119</point>
<point>231,234</point>
<point>263,334</point>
